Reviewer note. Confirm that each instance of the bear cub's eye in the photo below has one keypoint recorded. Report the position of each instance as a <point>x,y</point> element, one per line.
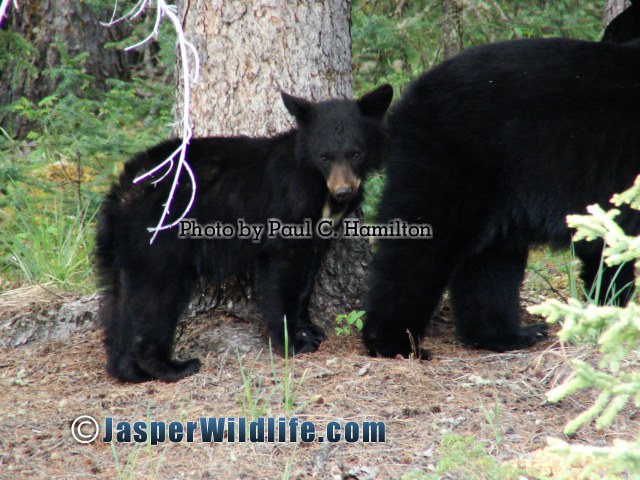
<point>354,155</point>
<point>324,158</point>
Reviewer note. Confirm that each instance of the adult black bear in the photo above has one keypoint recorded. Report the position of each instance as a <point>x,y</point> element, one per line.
<point>625,27</point>
<point>306,173</point>
<point>494,148</point>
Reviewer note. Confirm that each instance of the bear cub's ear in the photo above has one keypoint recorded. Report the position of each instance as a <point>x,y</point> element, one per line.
<point>298,107</point>
<point>376,102</point>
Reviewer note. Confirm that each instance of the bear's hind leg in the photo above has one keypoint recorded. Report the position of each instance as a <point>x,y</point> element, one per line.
<point>485,294</point>
<point>118,337</point>
<point>140,343</point>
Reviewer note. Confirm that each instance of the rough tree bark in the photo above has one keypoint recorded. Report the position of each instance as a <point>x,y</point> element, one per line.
<point>249,51</point>
<point>44,23</point>
<point>614,8</point>
<point>452,27</point>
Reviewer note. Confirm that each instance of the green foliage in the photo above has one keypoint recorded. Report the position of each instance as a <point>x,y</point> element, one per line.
<point>256,398</point>
<point>16,53</point>
<point>373,192</point>
<point>395,41</point>
<point>597,295</point>
<point>286,474</point>
<point>344,322</point>
<point>617,375</point>
<point>47,203</point>
<point>493,419</point>
<point>620,460</point>
<point>289,385</point>
<point>77,119</point>
<point>464,457</point>
<point>49,247</point>
<point>128,468</point>
<point>550,270</point>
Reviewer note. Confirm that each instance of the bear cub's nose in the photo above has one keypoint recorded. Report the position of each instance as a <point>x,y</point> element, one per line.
<point>343,194</point>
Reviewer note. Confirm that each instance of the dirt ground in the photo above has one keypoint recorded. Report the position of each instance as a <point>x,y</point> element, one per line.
<point>497,398</point>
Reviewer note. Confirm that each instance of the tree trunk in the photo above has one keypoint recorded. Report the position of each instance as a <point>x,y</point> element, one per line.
<point>48,26</point>
<point>614,8</point>
<point>249,51</point>
<point>452,28</point>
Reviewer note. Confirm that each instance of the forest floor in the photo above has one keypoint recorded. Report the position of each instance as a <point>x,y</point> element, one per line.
<point>465,414</point>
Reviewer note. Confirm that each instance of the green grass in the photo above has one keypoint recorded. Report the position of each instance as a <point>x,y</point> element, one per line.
<point>256,398</point>
<point>465,457</point>
<point>597,293</point>
<point>51,246</point>
<point>47,203</point>
<point>127,467</point>
<point>290,385</point>
<point>286,474</point>
<point>493,419</point>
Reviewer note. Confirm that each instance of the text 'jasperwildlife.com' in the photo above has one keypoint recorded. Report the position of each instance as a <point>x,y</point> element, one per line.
<point>86,429</point>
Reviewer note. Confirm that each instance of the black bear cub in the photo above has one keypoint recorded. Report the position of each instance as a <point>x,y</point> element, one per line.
<point>494,148</point>
<point>308,173</point>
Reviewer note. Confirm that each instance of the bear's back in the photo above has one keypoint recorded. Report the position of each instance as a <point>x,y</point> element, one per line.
<point>523,75</point>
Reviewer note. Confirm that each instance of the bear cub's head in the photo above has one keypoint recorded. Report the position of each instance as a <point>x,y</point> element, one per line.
<point>343,139</point>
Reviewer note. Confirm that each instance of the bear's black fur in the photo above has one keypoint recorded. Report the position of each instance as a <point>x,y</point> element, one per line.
<point>625,27</point>
<point>306,173</point>
<point>494,148</point>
